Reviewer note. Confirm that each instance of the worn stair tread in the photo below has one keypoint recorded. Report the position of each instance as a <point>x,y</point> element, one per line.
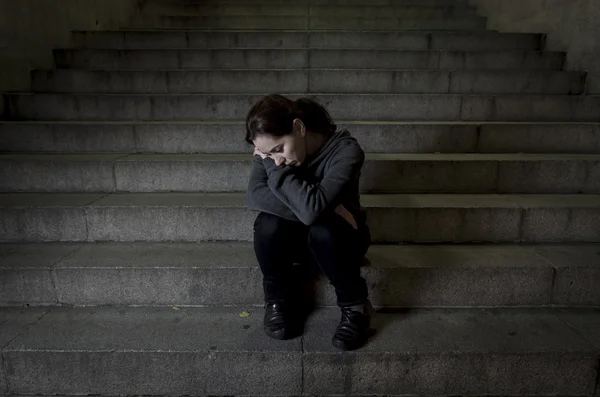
<point>438,3</point>
<point>255,58</point>
<point>241,122</point>
<point>179,136</point>
<point>210,351</point>
<point>305,39</point>
<point>322,22</point>
<point>237,200</point>
<point>175,50</point>
<point>311,69</point>
<point>531,107</point>
<point>153,329</point>
<point>475,32</point>
<point>455,157</point>
<point>310,30</point>
<point>233,255</point>
<point>314,94</point>
<point>304,9</point>
<point>226,273</point>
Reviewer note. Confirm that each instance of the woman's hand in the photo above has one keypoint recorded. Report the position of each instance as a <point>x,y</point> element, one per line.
<point>259,153</point>
<point>344,213</point>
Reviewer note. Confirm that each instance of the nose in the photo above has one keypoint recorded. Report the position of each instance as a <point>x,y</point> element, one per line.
<point>279,160</point>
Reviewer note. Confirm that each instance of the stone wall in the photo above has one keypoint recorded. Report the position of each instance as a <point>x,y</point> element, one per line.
<point>571,25</point>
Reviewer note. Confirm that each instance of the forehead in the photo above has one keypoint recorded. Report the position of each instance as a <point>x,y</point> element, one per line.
<point>267,142</point>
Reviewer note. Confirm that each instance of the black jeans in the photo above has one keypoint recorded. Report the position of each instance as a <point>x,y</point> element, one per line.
<point>334,245</point>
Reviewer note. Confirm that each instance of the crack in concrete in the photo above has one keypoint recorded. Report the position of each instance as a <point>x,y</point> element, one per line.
<point>23,329</point>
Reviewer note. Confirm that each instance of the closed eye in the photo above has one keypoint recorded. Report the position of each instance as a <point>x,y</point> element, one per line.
<point>276,149</point>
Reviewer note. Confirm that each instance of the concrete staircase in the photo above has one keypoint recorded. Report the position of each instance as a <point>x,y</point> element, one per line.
<point>125,263</point>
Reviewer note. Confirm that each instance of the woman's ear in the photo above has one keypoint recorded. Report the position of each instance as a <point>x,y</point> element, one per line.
<point>299,127</point>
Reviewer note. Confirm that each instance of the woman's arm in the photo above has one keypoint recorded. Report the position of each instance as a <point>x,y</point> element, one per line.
<point>306,200</point>
<point>259,196</point>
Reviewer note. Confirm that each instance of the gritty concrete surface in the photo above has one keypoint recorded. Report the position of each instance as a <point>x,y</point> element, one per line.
<point>226,137</point>
<point>504,352</point>
<point>444,224</point>
<point>39,217</point>
<point>547,177</point>
<point>317,22</point>
<point>190,59</point>
<point>43,224</point>
<point>555,225</point>
<point>31,29</point>
<point>67,138</point>
<point>365,107</point>
<point>483,40</point>
<point>585,321</point>
<point>299,9</point>
<point>570,26</point>
<point>25,272</point>
<point>13,322</point>
<point>440,352</point>
<point>243,58</point>
<point>23,200</point>
<point>186,216</point>
<point>408,276</point>
<point>382,173</point>
<point>193,173</point>
<point>530,108</point>
<point>70,81</point>
<point>161,274</point>
<point>152,351</point>
<point>69,173</point>
<point>541,138</point>
<point>577,269</point>
<point>227,274</point>
<point>219,137</point>
<point>169,224</point>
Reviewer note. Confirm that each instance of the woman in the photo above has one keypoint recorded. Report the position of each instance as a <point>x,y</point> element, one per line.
<point>304,181</point>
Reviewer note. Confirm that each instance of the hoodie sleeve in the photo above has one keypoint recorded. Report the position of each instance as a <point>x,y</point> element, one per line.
<point>309,200</point>
<point>259,196</point>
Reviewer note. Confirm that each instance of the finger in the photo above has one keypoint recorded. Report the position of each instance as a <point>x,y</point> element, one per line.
<point>353,223</point>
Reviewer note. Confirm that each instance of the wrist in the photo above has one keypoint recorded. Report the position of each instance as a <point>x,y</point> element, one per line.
<point>268,162</point>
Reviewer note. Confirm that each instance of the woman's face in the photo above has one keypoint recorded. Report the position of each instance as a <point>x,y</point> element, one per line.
<point>284,150</point>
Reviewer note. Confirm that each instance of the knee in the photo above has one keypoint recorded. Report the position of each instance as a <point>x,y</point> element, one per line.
<point>268,225</point>
<point>322,232</point>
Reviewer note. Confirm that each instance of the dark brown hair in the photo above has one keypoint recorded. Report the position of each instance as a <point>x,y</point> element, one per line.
<point>274,115</point>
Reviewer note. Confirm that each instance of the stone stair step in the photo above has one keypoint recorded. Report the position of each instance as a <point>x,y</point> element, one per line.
<point>397,3</point>
<point>309,80</point>
<point>298,9</point>
<point>430,3</point>
<point>382,173</point>
<point>364,107</point>
<point>278,22</point>
<point>225,137</point>
<point>227,274</point>
<point>214,351</point>
<point>223,216</point>
<point>307,58</point>
<point>459,41</point>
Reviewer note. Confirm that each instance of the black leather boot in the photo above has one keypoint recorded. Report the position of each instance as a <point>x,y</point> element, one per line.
<point>277,322</point>
<point>354,327</point>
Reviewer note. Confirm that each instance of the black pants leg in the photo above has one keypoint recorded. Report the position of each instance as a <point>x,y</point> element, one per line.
<point>339,249</point>
<point>334,244</point>
<point>278,243</point>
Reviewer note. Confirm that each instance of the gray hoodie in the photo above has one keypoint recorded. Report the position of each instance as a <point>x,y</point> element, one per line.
<point>303,193</point>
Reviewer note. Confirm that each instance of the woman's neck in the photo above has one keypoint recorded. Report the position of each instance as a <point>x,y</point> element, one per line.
<point>314,142</point>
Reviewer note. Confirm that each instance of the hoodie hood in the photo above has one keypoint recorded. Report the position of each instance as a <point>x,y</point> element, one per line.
<point>329,145</point>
